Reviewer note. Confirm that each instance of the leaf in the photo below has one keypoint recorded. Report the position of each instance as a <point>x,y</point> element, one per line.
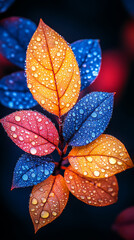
<point>31,170</point>
<point>124,224</point>
<point>47,201</point>
<point>14,92</point>
<point>95,192</point>
<point>88,118</point>
<point>15,34</point>
<point>5,4</point>
<point>104,157</point>
<point>88,56</point>
<point>52,71</point>
<point>32,132</point>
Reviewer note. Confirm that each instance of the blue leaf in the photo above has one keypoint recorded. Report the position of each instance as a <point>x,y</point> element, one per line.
<point>5,4</point>
<point>88,118</point>
<point>14,92</point>
<point>88,56</point>
<point>31,170</point>
<point>15,34</point>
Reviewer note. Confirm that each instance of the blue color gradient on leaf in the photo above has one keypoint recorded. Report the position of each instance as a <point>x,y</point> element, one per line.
<point>31,170</point>
<point>88,118</point>
<point>5,4</point>
<point>88,56</point>
<point>14,92</point>
<point>15,34</point>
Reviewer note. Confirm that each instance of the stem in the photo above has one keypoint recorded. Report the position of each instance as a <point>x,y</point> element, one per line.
<point>60,151</point>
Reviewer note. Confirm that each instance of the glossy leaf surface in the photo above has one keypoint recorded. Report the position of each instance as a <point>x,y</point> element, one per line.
<point>47,201</point>
<point>32,132</point>
<point>88,118</point>
<point>31,170</point>
<point>15,34</point>
<point>95,192</point>
<point>14,92</point>
<point>52,71</point>
<point>104,157</point>
<point>124,224</point>
<point>88,56</point>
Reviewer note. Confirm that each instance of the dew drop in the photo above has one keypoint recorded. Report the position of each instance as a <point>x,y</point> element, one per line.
<point>17,118</point>
<point>85,173</point>
<point>89,159</point>
<point>44,214</point>
<point>34,201</point>
<point>81,111</point>
<point>29,85</point>
<point>96,173</point>
<point>94,114</point>
<point>25,177</point>
<point>14,135</point>
<point>54,213</point>
<point>112,160</point>
<point>33,150</point>
<point>119,163</point>
<point>38,39</point>
<point>13,128</point>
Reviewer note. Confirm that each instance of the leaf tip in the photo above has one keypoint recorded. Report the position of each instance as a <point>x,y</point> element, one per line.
<point>12,187</point>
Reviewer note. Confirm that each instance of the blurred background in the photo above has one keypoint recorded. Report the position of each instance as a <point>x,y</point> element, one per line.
<point>113,23</point>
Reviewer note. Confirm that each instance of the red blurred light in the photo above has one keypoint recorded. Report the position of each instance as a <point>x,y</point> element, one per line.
<point>113,73</point>
<point>128,37</point>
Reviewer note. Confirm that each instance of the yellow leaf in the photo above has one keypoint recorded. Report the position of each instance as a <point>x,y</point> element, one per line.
<point>52,71</point>
<point>102,158</point>
<point>95,192</point>
<point>47,201</point>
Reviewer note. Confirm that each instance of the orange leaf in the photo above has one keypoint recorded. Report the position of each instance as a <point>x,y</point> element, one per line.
<point>47,201</point>
<point>52,71</point>
<point>96,192</point>
<point>102,158</point>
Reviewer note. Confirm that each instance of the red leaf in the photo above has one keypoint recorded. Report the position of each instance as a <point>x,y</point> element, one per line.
<point>32,132</point>
<point>96,192</point>
<point>47,201</point>
<point>124,224</point>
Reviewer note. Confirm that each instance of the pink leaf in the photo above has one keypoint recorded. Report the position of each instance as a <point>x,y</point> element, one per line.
<point>124,224</point>
<point>32,132</point>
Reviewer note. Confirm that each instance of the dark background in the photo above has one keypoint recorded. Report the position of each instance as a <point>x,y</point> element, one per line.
<point>104,20</point>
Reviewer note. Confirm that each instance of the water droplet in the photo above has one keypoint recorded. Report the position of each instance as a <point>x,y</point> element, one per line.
<point>85,173</point>
<point>44,214</point>
<point>14,135</point>
<point>67,105</point>
<point>81,111</point>
<point>70,177</point>
<point>13,128</point>
<point>33,150</point>
<point>51,194</point>
<point>34,201</point>
<point>33,68</point>
<point>112,160</point>
<point>94,114</point>
<point>38,39</point>
<point>21,138</point>
<point>17,118</point>
<point>54,213</point>
<point>43,200</point>
<point>89,159</point>
<point>25,177</point>
<point>96,173</point>
<point>29,85</point>
<point>119,163</point>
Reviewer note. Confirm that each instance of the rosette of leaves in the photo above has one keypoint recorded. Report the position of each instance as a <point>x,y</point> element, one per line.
<point>55,77</point>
